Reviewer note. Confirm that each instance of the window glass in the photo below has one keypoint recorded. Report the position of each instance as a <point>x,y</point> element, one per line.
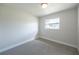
<point>52,23</point>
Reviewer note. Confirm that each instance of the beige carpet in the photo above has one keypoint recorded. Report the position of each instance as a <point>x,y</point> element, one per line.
<point>41,47</point>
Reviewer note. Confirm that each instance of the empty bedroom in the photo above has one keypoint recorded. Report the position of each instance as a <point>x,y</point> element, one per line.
<point>39,28</point>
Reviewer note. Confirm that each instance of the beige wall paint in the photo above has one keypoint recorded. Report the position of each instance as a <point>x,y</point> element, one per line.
<point>68,27</point>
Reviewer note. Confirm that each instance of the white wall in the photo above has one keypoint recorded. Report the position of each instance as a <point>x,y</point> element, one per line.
<point>67,34</point>
<point>16,27</point>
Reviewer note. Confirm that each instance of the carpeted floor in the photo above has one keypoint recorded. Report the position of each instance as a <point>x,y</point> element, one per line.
<point>41,47</point>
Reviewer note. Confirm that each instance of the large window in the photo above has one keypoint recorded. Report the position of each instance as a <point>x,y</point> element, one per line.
<point>52,23</point>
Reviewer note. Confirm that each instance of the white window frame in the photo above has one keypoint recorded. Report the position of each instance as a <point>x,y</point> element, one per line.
<point>52,23</point>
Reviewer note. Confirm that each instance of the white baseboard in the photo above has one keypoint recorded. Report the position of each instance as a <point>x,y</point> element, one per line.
<point>15,45</point>
<point>74,46</point>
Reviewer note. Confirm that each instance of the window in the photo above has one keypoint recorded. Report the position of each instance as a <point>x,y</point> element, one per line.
<point>52,23</point>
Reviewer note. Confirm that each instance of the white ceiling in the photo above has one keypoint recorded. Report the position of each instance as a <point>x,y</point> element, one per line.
<point>36,9</point>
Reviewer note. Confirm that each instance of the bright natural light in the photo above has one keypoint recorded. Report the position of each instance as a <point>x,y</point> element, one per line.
<point>52,23</point>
